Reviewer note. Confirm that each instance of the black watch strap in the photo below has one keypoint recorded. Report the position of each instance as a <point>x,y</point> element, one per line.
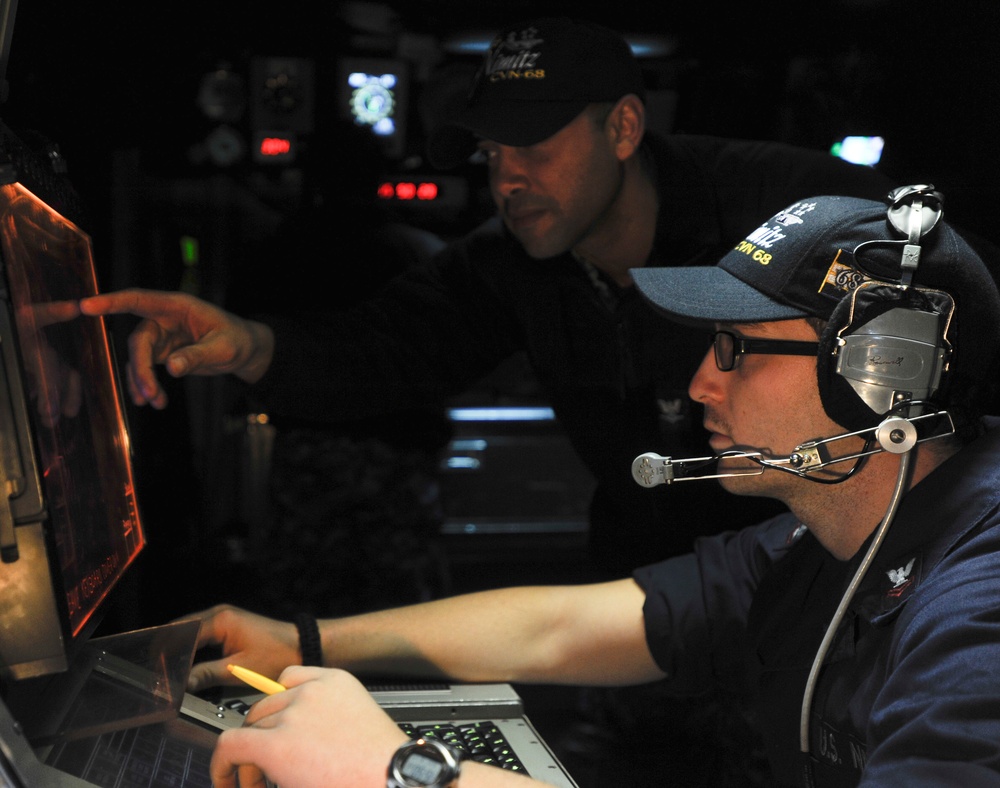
<point>309,642</point>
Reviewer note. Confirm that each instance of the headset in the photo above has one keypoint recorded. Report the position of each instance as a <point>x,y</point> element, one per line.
<point>886,343</point>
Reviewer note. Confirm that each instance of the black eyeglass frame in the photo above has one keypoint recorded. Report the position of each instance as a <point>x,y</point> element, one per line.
<point>741,346</point>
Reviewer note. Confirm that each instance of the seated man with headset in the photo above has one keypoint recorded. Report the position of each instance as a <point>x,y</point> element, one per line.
<point>852,350</point>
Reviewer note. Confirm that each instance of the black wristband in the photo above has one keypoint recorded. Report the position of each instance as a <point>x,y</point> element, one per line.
<point>309,642</point>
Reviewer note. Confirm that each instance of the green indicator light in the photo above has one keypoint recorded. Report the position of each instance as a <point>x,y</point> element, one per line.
<point>189,250</point>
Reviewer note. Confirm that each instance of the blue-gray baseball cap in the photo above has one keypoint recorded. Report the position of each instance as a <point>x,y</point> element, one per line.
<point>805,259</point>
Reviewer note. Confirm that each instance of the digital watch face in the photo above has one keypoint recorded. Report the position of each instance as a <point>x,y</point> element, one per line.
<point>421,769</point>
<point>423,764</point>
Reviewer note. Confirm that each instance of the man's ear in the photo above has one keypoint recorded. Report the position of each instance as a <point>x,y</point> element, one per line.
<point>626,125</point>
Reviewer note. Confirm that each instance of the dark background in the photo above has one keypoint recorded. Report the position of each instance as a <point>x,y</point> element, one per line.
<point>109,76</point>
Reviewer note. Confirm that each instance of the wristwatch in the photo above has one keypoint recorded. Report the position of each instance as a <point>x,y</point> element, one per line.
<point>424,763</point>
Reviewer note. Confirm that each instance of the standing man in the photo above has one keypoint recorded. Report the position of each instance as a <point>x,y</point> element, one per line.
<point>584,196</point>
<point>853,350</point>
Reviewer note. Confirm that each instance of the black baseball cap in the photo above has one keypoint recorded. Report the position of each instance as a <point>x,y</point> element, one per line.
<point>536,78</point>
<point>806,258</point>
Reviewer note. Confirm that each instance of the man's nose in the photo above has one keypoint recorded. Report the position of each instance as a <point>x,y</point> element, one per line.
<point>708,381</point>
<point>509,175</point>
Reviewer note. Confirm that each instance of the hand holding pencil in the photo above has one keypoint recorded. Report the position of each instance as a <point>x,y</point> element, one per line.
<point>255,680</point>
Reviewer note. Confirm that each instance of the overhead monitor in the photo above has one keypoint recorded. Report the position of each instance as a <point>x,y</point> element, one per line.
<point>374,94</point>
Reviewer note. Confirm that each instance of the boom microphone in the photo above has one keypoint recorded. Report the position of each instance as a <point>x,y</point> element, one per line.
<point>895,435</point>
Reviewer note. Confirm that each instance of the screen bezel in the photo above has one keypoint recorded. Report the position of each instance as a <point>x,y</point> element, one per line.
<point>68,475</point>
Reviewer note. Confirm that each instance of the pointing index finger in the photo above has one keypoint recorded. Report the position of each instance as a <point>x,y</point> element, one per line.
<point>136,301</point>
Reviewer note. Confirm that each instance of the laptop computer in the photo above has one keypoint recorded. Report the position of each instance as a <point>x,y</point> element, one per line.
<point>126,727</point>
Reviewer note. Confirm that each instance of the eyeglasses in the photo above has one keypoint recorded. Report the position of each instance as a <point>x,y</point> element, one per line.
<point>729,348</point>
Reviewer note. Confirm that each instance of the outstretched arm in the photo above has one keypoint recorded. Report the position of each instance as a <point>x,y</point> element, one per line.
<point>325,728</point>
<point>587,634</point>
<point>185,334</point>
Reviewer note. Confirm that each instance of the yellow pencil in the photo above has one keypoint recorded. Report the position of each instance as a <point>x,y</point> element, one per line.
<point>255,680</point>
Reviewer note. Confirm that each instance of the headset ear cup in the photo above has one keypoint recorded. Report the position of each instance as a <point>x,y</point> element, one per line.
<point>840,401</point>
<point>889,340</point>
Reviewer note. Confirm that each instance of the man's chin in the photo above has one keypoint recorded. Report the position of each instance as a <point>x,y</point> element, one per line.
<point>539,244</point>
<point>744,486</point>
<point>540,250</point>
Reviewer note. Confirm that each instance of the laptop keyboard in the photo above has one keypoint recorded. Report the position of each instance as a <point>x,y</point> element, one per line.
<point>146,756</point>
<point>477,741</point>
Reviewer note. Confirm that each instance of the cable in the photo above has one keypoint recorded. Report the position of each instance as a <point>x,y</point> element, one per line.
<point>902,479</point>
